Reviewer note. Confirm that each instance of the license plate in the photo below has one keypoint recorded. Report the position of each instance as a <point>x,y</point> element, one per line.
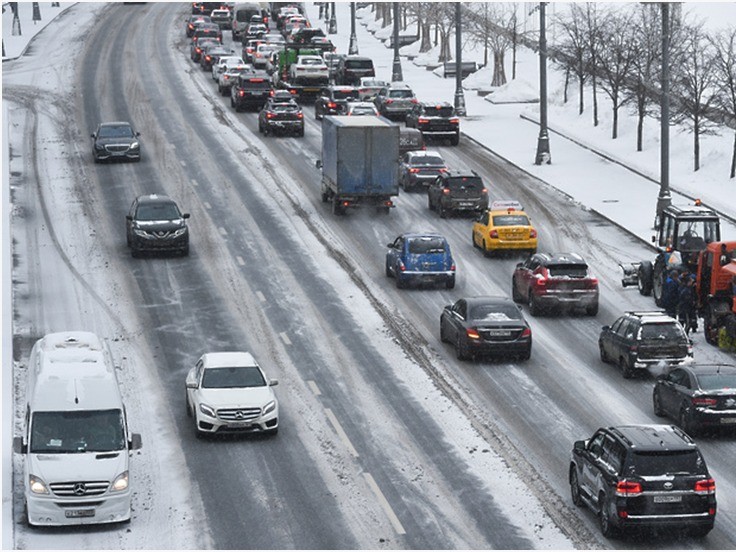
<point>239,425</point>
<point>466,204</point>
<point>499,333</point>
<point>666,499</point>
<point>728,420</point>
<point>87,512</point>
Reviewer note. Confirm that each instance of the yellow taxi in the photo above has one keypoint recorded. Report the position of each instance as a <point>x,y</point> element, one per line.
<point>504,227</point>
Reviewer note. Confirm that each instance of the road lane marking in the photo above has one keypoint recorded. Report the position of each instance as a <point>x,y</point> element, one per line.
<point>314,387</point>
<point>240,260</point>
<point>285,338</point>
<point>384,504</point>
<point>261,297</point>
<point>340,432</point>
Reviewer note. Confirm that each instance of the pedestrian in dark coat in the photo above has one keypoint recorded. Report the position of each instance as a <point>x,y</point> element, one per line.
<point>686,306</point>
<point>670,293</point>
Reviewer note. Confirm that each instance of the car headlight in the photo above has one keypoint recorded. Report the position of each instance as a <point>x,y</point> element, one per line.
<point>37,485</point>
<point>99,147</point>
<point>180,231</point>
<point>207,410</point>
<point>139,232</point>
<point>120,483</point>
<point>135,145</point>
<point>270,407</point>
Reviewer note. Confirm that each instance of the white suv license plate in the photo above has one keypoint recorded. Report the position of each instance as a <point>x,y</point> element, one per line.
<point>728,420</point>
<point>239,425</point>
<point>666,499</point>
<point>87,512</point>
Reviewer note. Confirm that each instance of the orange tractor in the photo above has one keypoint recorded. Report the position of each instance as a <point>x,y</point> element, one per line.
<point>716,288</point>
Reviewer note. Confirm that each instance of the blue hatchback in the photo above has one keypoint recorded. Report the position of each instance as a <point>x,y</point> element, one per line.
<point>420,258</point>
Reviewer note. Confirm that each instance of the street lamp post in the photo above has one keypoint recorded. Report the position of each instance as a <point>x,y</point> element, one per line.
<point>353,48</point>
<point>543,154</point>
<point>459,95</point>
<point>396,74</point>
<point>333,20</point>
<point>665,199</point>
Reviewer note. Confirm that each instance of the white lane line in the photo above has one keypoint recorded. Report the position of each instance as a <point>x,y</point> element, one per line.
<point>207,205</point>
<point>261,297</point>
<point>285,338</point>
<point>223,231</point>
<point>384,504</point>
<point>340,432</point>
<point>314,388</point>
<point>240,260</point>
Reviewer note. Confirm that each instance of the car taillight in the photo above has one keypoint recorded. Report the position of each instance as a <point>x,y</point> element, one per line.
<point>422,121</point>
<point>484,191</point>
<point>472,333</point>
<point>526,333</point>
<point>388,203</point>
<point>633,348</point>
<point>413,170</point>
<point>208,58</point>
<point>389,101</point>
<point>592,282</point>
<point>414,101</point>
<point>494,234</point>
<point>705,486</point>
<point>540,281</point>
<point>453,267</point>
<point>628,488</point>
<point>241,93</point>
<point>446,191</point>
<point>270,115</point>
<point>442,170</point>
<point>532,233</point>
<point>402,266</point>
<point>455,121</point>
<point>704,401</point>
<point>331,105</point>
<point>300,115</point>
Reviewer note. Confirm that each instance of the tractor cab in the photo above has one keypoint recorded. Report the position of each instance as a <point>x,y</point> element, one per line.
<point>687,229</point>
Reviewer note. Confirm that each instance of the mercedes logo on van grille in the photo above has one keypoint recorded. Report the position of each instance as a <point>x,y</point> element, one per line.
<point>240,414</point>
<point>668,486</point>
<point>80,489</point>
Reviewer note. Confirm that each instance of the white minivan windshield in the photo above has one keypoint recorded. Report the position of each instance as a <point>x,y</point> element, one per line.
<point>77,431</point>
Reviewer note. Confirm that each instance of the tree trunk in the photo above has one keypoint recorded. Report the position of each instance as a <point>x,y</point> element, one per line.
<point>696,143</point>
<point>445,52</point>
<point>640,124</point>
<point>485,52</point>
<point>595,102</point>
<point>426,33</point>
<point>733,157</point>
<point>567,82</point>
<point>436,34</point>
<point>499,74</point>
<point>513,56</point>
<point>614,130</point>
<point>581,84</point>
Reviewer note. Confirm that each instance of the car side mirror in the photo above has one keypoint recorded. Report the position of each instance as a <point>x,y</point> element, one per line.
<point>654,238</point>
<point>191,384</point>
<point>318,163</point>
<point>605,328</point>
<point>93,135</point>
<point>579,446</point>
<point>135,442</point>
<point>185,216</point>
<point>137,133</point>
<point>519,265</point>
<point>273,382</point>
<point>128,217</point>
<point>19,445</point>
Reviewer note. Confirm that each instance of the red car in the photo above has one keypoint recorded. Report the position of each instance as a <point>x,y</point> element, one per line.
<point>555,281</point>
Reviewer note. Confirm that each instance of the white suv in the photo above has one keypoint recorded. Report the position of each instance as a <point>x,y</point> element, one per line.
<point>229,393</point>
<point>223,64</point>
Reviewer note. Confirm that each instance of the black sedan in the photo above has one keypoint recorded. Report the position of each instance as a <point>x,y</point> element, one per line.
<point>486,326</point>
<point>698,396</point>
<point>154,223</point>
<point>117,140</point>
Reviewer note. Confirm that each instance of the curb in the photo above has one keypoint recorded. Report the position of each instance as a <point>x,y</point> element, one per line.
<point>25,48</point>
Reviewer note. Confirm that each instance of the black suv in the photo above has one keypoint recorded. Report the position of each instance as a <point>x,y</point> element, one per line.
<point>351,69</point>
<point>281,116</point>
<point>250,90</point>
<point>333,100</point>
<point>457,190</point>
<point>643,476</point>
<point>641,340</point>
<point>435,120</point>
<point>154,223</point>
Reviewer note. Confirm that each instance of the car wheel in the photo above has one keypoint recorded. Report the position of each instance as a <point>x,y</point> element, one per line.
<point>592,310</point>
<point>455,140</point>
<point>657,404</point>
<point>300,133</point>
<point>443,211</point>
<point>487,252</point>
<point>388,269</point>
<point>515,295</point>
<point>450,282</point>
<point>526,355</point>
<point>604,518</point>
<point>400,283</point>
<point>443,336</point>
<point>602,350</point>
<point>700,532</point>
<point>232,102</point>
<point>135,253</point>
<point>577,499</point>
<point>429,203</point>
<point>185,251</point>
<point>272,432</point>
<point>461,350</point>
<point>686,423</point>
<point>266,131</point>
<point>189,407</point>
<point>534,308</point>
<point>626,370</point>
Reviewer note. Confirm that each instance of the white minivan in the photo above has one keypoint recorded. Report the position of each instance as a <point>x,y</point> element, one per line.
<point>76,441</point>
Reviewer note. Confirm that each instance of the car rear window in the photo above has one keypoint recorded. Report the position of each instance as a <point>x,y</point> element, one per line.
<point>491,313</point>
<point>256,84</point>
<point>717,381</point>
<point>346,94</point>
<point>359,64</point>
<point>419,246</point>
<point>442,111</point>
<point>569,270</point>
<point>467,182</point>
<point>664,331</point>
<point>284,107</point>
<point>681,462</point>
<point>428,161</point>
<point>400,94</point>
<point>510,220</point>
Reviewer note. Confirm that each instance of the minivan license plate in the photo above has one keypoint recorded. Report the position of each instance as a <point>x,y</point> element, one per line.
<point>87,512</point>
<point>667,499</point>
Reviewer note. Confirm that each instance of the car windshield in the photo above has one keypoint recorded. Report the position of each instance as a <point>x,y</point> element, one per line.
<point>685,462</point>
<point>468,183</point>
<point>345,94</point>
<point>419,246</point>
<point>510,220</point>
<point>717,381</point>
<point>493,313</point>
<point>427,161</point>
<point>157,211</point>
<point>400,94</point>
<point>664,331</point>
<point>77,431</point>
<point>232,376</point>
<point>567,270</point>
<point>115,131</point>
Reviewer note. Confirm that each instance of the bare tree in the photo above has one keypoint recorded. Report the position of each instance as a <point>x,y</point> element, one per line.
<point>616,58</point>
<point>442,15</point>
<point>695,86</point>
<point>593,42</point>
<point>572,52</point>
<point>724,45</point>
<point>494,25</point>
<point>420,11</point>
